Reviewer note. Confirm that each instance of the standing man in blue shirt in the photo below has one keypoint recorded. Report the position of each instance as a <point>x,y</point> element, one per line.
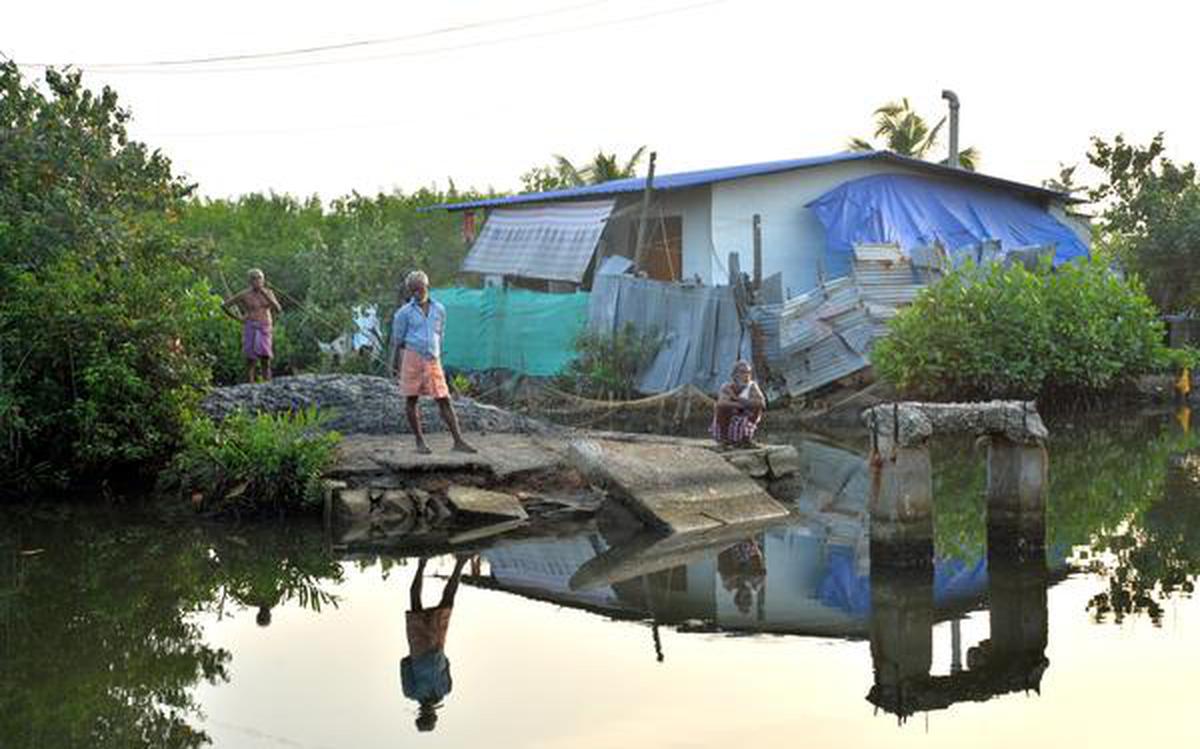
<point>417,329</point>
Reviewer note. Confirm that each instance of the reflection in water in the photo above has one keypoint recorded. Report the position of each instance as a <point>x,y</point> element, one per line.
<point>99,644</point>
<point>425,671</point>
<point>1012,659</point>
<point>106,621</point>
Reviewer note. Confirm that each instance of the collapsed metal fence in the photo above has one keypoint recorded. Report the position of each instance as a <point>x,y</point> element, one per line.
<point>827,334</point>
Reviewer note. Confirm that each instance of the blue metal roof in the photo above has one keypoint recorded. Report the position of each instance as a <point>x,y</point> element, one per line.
<point>701,177</point>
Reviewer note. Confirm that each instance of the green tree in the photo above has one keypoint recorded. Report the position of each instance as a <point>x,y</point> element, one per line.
<point>907,133</point>
<point>1150,220</point>
<point>101,299</point>
<point>325,260</point>
<point>562,173</point>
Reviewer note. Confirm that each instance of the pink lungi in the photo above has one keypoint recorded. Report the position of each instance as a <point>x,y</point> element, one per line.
<point>257,340</point>
<point>421,376</point>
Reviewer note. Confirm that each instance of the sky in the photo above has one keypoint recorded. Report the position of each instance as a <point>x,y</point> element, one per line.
<point>480,92</point>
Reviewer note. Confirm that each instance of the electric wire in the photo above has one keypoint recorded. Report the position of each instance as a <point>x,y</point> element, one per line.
<point>331,47</point>
<point>395,55</point>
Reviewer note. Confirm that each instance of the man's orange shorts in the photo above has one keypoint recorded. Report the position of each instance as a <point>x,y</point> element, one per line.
<point>421,376</point>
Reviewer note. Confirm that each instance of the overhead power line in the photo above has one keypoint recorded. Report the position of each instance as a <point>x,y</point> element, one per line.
<point>179,67</point>
<point>330,47</point>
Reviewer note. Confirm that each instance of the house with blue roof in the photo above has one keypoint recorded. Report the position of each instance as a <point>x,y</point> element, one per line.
<point>812,212</point>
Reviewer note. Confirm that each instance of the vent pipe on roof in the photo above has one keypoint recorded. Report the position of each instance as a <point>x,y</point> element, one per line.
<point>952,97</point>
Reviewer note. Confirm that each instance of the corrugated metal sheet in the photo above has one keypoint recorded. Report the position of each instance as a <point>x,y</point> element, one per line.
<point>828,361</point>
<point>681,180</point>
<point>881,252</point>
<point>702,335</point>
<point>827,334</point>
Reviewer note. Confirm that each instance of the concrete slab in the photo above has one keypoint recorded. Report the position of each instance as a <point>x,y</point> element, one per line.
<point>484,502</point>
<point>673,487</point>
<point>500,455</point>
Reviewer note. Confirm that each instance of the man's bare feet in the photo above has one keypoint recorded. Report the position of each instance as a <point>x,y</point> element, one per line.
<point>462,447</point>
<point>423,449</point>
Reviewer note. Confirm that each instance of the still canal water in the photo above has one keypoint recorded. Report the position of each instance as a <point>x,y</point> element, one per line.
<point>122,630</point>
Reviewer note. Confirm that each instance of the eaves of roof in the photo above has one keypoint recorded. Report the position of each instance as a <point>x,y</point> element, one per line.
<point>682,180</point>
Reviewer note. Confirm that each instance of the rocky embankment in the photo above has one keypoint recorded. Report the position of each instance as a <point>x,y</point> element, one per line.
<point>361,404</point>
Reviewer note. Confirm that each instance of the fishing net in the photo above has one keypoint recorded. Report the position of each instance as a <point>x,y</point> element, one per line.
<point>686,410</point>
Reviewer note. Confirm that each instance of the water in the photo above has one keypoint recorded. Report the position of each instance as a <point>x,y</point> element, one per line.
<point>124,629</point>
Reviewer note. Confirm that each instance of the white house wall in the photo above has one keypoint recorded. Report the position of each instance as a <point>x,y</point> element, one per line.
<point>792,237</point>
<point>692,206</point>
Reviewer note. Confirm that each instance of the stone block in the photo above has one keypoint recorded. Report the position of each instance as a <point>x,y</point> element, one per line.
<point>484,502</point>
<point>784,461</point>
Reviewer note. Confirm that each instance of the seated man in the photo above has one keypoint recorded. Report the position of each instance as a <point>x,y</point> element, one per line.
<point>740,406</point>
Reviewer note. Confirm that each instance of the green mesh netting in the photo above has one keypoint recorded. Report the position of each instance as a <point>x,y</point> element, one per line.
<point>523,331</point>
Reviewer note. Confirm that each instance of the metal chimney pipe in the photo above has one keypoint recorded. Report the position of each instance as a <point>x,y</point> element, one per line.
<point>952,97</point>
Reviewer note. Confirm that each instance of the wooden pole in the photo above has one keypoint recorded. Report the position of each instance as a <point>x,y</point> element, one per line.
<point>639,252</point>
<point>757,252</point>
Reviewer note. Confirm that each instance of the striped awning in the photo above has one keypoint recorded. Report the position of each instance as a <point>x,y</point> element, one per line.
<point>552,242</point>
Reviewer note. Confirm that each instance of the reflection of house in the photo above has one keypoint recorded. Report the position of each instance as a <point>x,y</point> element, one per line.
<point>696,219</point>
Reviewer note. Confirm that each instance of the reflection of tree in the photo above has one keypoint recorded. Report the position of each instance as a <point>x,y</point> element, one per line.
<point>1112,489</point>
<point>99,648</point>
<point>1156,556</point>
<point>99,640</point>
<point>284,566</point>
<point>1100,477</point>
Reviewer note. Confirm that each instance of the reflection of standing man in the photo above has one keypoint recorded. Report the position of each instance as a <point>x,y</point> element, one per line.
<point>255,305</point>
<point>425,673</point>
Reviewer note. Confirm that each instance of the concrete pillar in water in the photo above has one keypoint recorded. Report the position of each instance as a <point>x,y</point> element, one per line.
<point>901,637</point>
<point>901,507</point>
<point>1016,497</point>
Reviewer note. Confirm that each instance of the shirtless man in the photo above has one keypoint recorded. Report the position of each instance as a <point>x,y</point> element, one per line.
<point>255,306</point>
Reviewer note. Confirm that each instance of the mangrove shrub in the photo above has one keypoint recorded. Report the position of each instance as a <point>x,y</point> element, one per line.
<point>1055,334</point>
<point>98,365</point>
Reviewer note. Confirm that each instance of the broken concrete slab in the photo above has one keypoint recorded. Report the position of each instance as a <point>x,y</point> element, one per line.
<point>501,456</point>
<point>486,531</point>
<point>648,552</point>
<point>673,487</point>
<point>484,502</point>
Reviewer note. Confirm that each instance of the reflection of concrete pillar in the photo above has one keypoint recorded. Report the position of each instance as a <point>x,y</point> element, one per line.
<point>1016,657</point>
<point>1016,496</point>
<point>1019,618</point>
<point>901,507</point>
<point>955,646</point>
<point>901,635</point>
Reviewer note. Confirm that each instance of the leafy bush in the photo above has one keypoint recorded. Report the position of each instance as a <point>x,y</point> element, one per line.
<point>99,360</point>
<point>607,366</point>
<point>267,461</point>
<point>1059,335</point>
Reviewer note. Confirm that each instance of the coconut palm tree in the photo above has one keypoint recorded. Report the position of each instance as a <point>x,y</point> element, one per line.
<point>602,168</point>
<point>905,132</point>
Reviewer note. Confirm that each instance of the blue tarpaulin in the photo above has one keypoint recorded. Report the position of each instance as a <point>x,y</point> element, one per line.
<point>918,211</point>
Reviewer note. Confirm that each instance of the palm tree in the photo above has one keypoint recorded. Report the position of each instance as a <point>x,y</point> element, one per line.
<point>905,132</point>
<point>603,167</point>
